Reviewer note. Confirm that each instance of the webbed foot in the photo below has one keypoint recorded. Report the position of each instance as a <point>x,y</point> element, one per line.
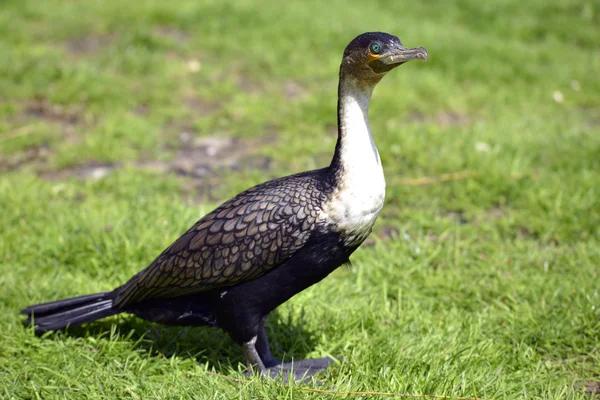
<point>297,370</point>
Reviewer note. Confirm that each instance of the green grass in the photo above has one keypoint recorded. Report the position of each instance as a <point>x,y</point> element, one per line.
<point>485,286</point>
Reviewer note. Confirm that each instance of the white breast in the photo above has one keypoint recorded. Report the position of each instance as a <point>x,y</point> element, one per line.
<point>354,207</point>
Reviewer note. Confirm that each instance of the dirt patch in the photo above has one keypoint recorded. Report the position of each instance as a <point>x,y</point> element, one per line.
<point>592,388</point>
<point>591,116</point>
<point>209,154</point>
<point>199,106</point>
<point>492,214</point>
<point>593,123</point>
<point>444,119</point>
<point>91,171</point>
<point>524,232</point>
<point>171,33</point>
<point>248,84</point>
<point>66,118</point>
<point>495,213</point>
<point>90,44</point>
<point>458,216</point>
<point>142,110</point>
<point>41,109</point>
<point>39,115</point>
<point>203,161</point>
<point>293,91</point>
<point>32,155</point>
<point>200,161</point>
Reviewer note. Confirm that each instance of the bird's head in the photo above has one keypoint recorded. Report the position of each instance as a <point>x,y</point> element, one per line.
<point>373,54</point>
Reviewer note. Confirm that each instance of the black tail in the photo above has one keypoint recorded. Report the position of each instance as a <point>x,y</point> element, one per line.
<point>69,312</point>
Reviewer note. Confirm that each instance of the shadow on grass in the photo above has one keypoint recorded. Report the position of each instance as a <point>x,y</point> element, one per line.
<point>289,339</point>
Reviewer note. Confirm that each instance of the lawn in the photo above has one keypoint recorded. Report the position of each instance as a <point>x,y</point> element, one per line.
<point>122,123</point>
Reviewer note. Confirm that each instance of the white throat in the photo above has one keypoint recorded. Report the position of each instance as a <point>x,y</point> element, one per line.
<point>358,199</point>
<point>357,146</point>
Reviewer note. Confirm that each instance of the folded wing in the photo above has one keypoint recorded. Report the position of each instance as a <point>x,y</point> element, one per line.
<point>241,240</point>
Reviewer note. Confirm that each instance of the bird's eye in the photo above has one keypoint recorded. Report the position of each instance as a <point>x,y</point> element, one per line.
<point>375,48</point>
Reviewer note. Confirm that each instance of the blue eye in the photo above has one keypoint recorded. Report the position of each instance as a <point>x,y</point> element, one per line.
<point>375,48</point>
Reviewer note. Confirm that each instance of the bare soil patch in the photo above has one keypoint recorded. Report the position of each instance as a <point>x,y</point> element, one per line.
<point>93,170</point>
<point>247,84</point>
<point>39,115</point>
<point>41,109</point>
<point>591,388</point>
<point>90,44</point>
<point>33,155</point>
<point>458,216</point>
<point>199,106</point>
<point>172,33</point>
<point>201,162</point>
<point>206,155</point>
<point>294,91</point>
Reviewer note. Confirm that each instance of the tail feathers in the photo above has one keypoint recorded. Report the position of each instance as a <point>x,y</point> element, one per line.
<point>54,306</point>
<point>69,312</point>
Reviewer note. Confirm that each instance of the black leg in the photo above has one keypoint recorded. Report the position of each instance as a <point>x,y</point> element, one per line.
<point>257,351</point>
<point>262,347</point>
<point>258,355</point>
<point>251,354</point>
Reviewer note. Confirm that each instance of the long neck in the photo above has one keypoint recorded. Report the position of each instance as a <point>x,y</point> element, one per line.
<point>355,147</point>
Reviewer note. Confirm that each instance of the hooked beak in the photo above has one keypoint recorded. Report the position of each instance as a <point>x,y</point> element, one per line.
<point>397,56</point>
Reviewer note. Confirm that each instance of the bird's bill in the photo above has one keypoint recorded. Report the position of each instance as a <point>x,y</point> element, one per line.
<point>400,54</point>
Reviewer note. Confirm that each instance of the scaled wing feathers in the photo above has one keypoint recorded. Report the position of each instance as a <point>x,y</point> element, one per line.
<point>241,240</point>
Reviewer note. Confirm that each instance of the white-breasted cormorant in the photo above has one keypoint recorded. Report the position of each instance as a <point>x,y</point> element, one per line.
<point>255,251</point>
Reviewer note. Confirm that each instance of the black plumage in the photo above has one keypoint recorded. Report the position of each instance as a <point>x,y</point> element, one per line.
<point>241,240</point>
<point>255,251</point>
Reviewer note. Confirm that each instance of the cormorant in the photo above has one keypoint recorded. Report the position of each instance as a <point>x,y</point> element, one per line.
<point>255,251</point>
